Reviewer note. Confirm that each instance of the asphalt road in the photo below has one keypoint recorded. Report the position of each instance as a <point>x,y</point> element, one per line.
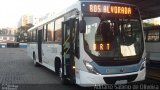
<point>17,72</point>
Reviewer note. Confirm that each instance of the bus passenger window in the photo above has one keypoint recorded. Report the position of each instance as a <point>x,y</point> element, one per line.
<point>153,35</point>
<point>50,32</point>
<point>58,29</point>
<point>34,35</point>
<point>44,33</point>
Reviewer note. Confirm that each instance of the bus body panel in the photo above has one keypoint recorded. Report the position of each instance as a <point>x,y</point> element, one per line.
<point>50,52</point>
<point>152,36</point>
<point>32,47</point>
<point>83,77</point>
<point>153,51</point>
<point>88,79</point>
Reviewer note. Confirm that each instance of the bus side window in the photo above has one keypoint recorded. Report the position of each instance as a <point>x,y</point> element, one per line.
<point>44,33</point>
<point>34,35</point>
<point>77,39</point>
<point>153,36</point>
<point>50,32</point>
<point>29,36</point>
<point>146,36</point>
<point>31,39</point>
<point>58,30</point>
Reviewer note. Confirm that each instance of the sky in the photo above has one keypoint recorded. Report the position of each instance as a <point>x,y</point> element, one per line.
<point>12,10</point>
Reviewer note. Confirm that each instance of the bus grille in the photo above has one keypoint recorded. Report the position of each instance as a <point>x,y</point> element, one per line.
<point>112,80</point>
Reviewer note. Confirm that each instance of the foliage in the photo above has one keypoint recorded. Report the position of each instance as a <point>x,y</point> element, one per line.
<point>22,33</point>
<point>148,24</point>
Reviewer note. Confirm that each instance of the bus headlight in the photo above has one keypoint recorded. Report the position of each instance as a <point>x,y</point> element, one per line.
<point>143,65</point>
<point>90,68</point>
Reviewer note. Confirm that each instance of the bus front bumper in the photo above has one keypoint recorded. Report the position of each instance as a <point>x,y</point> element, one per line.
<point>89,79</point>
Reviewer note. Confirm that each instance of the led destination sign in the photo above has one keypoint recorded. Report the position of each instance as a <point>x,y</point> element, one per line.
<point>102,47</point>
<point>107,8</point>
<point>110,9</point>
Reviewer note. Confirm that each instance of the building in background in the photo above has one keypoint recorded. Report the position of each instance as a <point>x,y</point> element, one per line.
<point>25,22</point>
<point>8,37</point>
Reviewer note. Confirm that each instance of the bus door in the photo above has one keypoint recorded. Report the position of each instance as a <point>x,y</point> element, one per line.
<point>68,46</point>
<point>40,45</point>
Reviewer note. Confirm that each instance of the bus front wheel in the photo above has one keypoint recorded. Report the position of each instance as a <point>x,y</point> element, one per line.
<point>57,66</point>
<point>65,81</point>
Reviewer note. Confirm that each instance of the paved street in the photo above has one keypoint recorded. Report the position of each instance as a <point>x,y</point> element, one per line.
<point>17,72</point>
<point>17,68</point>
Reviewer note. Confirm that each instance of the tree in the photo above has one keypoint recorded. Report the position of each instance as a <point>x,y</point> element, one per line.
<point>22,33</point>
<point>145,24</point>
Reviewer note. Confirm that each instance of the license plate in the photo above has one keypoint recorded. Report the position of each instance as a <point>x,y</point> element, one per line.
<point>121,82</point>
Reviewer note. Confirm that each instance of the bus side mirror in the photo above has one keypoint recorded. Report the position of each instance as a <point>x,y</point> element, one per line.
<point>82,26</point>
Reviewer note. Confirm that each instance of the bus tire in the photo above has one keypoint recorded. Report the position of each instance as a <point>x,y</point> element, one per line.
<point>65,81</point>
<point>57,66</point>
<point>34,60</point>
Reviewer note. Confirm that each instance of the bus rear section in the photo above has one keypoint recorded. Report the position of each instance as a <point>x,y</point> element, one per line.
<point>152,38</point>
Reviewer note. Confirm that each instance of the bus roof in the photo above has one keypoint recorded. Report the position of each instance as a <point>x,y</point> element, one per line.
<point>76,5</point>
<point>152,27</point>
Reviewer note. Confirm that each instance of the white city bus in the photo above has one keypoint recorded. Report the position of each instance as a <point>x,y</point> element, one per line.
<point>152,38</point>
<point>91,43</point>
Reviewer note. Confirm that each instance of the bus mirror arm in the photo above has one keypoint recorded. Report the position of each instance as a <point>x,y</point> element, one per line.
<point>82,26</point>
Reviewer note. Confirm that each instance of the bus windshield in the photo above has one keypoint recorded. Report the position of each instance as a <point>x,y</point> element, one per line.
<point>113,37</point>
